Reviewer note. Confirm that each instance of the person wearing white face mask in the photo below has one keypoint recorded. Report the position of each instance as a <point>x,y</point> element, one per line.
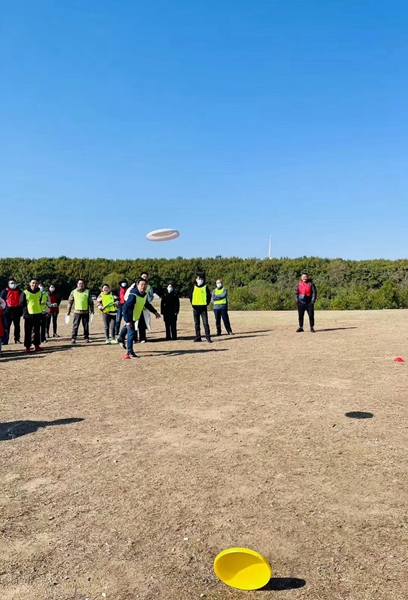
<point>11,296</point>
<point>220,303</point>
<point>200,298</point>
<point>170,308</point>
<point>54,302</point>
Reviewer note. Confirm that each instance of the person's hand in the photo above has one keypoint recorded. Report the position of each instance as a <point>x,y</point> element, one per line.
<point>158,316</point>
<point>128,324</point>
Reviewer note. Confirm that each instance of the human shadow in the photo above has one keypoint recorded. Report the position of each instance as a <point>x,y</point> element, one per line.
<point>334,329</point>
<point>15,429</point>
<point>182,352</point>
<point>12,356</point>
<point>280,584</point>
<point>238,337</point>
<point>256,331</point>
<point>357,414</point>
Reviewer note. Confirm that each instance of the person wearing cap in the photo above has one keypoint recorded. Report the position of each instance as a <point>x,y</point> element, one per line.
<point>123,285</point>
<point>220,304</point>
<point>200,298</point>
<point>135,304</point>
<point>107,304</point>
<point>305,297</point>
<point>30,302</point>
<point>12,313</point>
<point>81,300</point>
<point>53,311</point>
<point>170,308</point>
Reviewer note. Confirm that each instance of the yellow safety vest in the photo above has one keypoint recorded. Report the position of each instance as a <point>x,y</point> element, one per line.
<point>218,292</point>
<point>108,299</point>
<point>33,302</point>
<point>44,302</point>
<point>81,300</point>
<point>139,306</point>
<point>199,296</point>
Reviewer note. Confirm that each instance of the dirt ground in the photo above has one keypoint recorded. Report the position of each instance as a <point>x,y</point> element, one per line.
<point>197,447</point>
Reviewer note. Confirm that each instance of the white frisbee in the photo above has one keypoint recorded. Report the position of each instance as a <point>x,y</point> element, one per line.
<point>163,235</point>
<point>66,319</point>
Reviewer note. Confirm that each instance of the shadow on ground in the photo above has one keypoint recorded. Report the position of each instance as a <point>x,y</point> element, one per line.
<point>15,429</point>
<point>335,329</point>
<point>280,584</point>
<point>357,414</point>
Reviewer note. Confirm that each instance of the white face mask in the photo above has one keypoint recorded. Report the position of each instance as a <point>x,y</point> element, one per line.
<point>52,289</point>
<point>200,281</point>
<point>13,286</point>
<point>41,288</point>
<point>169,289</point>
<point>219,285</point>
<point>123,285</point>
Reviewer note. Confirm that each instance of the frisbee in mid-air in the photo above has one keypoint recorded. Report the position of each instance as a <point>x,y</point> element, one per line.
<point>242,568</point>
<point>163,235</point>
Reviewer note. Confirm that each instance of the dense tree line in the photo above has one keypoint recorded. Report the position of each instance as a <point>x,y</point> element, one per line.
<point>254,284</point>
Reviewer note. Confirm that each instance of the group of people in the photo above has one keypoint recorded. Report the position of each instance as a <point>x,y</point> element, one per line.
<point>132,303</point>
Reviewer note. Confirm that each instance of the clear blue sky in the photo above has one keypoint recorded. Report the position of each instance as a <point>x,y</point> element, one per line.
<point>228,120</point>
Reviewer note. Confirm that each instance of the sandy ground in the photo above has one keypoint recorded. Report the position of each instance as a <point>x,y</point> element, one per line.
<point>197,447</point>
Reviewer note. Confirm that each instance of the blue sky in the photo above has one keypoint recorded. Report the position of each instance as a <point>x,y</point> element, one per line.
<point>227,120</point>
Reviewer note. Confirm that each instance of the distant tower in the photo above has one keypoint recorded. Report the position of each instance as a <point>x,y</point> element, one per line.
<point>270,248</point>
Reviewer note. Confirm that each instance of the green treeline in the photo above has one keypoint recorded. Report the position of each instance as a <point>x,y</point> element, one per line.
<point>253,284</point>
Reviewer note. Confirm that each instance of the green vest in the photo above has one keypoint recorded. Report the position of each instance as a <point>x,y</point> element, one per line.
<point>199,296</point>
<point>44,302</point>
<point>33,302</point>
<point>218,292</point>
<point>139,306</point>
<point>108,299</point>
<point>81,300</point>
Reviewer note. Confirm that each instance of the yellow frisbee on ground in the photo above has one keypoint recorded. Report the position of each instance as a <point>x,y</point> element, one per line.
<point>242,568</point>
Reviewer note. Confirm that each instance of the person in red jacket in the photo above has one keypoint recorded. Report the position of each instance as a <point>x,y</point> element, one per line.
<point>305,296</point>
<point>123,286</point>
<point>52,315</point>
<point>11,296</point>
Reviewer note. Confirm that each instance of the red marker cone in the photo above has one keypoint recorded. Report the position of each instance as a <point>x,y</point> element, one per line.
<point>399,359</point>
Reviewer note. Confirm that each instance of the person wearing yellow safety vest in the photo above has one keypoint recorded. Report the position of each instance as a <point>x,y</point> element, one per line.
<point>30,302</point>
<point>108,306</point>
<point>144,321</point>
<point>200,298</point>
<point>45,309</point>
<point>220,304</point>
<point>83,304</point>
<point>132,310</point>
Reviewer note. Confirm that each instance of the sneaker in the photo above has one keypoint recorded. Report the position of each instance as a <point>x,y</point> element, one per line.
<point>88,341</point>
<point>18,342</point>
<point>209,340</point>
<point>197,339</point>
<point>107,342</point>
<point>142,341</point>
<point>299,330</point>
<point>56,335</point>
<point>27,350</point>
<point>113,341</point>
<point>312,330</point>
<point>230,333</point>
<point>121,343</point>
<point>73,341</point>
<point>129,356</point>
<point>37,348</point>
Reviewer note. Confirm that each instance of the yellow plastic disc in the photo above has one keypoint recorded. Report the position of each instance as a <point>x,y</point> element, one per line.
<point>242,568</point>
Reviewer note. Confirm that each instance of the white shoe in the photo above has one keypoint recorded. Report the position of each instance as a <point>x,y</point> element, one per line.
<point>143,342</point>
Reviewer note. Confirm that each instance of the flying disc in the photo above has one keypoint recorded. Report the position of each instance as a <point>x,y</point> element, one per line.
<point>242,568</point>
<point>163,235</point>
<point>66,319</point>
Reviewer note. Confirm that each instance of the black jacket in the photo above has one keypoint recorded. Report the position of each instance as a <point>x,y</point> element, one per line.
<point>311,299</point>
<point>170,305</point>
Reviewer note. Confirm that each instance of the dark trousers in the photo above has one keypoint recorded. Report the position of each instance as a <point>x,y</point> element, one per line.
<point>78,318</point>
<point>13,316</point>
<point>142,328</point>
<point>52,317</point>
<point>131,336</point>
<point>43,329</point>
<point>309,308</point>
<point>171,327</point>
<point>32,325</point>
<point>118,318</point>
<point>201,311</point>
<point>109,323</point>
<point>222,313</point>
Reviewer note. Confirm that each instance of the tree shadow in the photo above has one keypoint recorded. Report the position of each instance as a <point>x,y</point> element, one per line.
<point>359,415</point>
<point>15,429</point>
<point>280,584</point>
<point>335,329</point>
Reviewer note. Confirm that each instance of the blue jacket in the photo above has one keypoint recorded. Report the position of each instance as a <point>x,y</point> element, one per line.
<point>130,305</point>
<point>215,297</point>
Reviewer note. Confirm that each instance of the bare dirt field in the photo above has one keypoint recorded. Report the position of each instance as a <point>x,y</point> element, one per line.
<point>197,447</point>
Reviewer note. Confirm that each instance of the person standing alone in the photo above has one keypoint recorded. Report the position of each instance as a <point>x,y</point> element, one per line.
<point>11,295</point>
<point>200,298</point>
<point>83,304</point>
<point>220,304</point>
<point>170,308</point>
<point>305,296</point>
